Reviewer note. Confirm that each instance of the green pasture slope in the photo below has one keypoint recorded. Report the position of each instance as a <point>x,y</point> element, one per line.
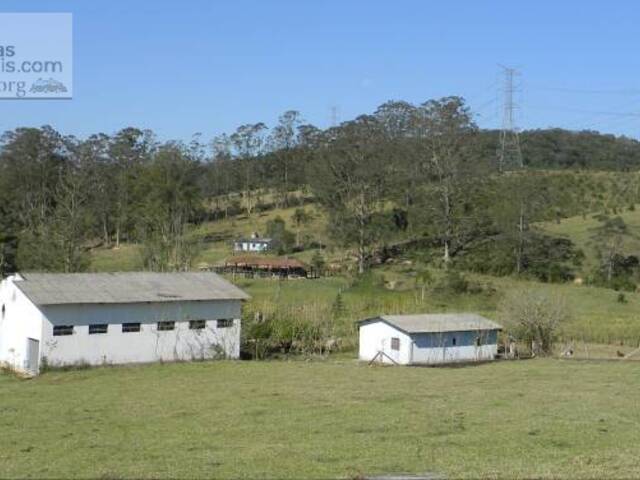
<point>324,419</point>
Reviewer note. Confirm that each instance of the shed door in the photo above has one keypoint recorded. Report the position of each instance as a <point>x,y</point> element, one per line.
<point>33,355</point>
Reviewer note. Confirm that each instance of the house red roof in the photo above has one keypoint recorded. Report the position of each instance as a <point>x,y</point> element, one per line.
<point>259,261</point>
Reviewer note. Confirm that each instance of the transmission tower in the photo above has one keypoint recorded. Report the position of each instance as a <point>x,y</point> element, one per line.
<point>335,115</point>
<point>509,154</point>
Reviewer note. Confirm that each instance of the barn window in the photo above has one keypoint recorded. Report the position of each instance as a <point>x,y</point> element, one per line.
<point>453,341</point>
<point>197,324</point>
<point>166,326</point>
<point>395,343</point>
<point>60,330</point>
<point>130,327</point>
<point>99,328</point>
<point>224,323</point>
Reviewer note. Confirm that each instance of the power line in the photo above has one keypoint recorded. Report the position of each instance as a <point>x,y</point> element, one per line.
<point>627,91</point>
<point>591,112</point>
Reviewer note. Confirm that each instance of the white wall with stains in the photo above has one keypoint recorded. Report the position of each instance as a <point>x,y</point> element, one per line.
<point>20,320</point>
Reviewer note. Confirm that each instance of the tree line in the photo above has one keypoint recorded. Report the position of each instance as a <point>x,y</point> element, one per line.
<point>425,174</point>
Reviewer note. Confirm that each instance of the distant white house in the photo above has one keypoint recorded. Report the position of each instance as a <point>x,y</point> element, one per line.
<point>428,339</point>
<point>253,244</point>
<point>114,318</point>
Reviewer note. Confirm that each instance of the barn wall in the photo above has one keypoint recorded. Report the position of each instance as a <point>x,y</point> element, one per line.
<point>21,320</point>
<point>376,336</point>
<point>148,345</point>
<point>429,348</point>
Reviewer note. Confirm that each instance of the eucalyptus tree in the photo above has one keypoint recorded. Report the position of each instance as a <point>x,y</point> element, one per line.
<point>32,160</point>
<point>249,142</point>
<point>130,150</point>
<point>172,198</point>
<point>284,142</point>
<point>350,181</point>
<point>219,173</point>
<point>400,125</point>
<point>446,130</point>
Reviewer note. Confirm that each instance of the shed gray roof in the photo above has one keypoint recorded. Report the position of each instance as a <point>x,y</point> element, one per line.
<point>138,287</point>
<point>438,322</point>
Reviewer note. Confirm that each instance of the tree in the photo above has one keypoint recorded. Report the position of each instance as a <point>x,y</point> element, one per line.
<point>172,198</point>
<point>318,263</point>
<point>448,125</point>
<point>423,280</point>
<point>284,140</point>
<point>609,240</point>
<point>300,217</point>
<point>248,141</point>
<point>519,198</point>
<point>281,238</point>
<point>534,318</point>
<point>401,127</point>
<point>350,181</point>
<point>130,150</point>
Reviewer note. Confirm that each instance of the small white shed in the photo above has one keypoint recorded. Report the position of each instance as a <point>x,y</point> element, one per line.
<point>428,338</point>
<point>114,318</point>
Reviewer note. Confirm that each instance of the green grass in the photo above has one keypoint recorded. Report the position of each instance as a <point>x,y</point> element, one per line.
<point>216,239</point>
<point>123,259</point>
<point>596,314</point>
<point>580,230</point>
<point>332,419</point>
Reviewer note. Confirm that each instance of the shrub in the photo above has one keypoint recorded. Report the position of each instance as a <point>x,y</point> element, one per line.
<point>533,317</point>
<point>453,282</point>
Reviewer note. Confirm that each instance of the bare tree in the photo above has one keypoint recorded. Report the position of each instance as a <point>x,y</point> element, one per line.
<point>534,317</point>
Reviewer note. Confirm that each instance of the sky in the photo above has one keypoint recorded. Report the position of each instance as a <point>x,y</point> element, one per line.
<point>186,67</point>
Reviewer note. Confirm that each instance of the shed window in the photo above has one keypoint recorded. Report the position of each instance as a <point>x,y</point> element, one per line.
<point>130,327</point>
<point>165,326</point>
<point>100,328</point>
<point>197,324</point>
<point>395,343</point>
<point>224,323</point>
<point>60,330</point>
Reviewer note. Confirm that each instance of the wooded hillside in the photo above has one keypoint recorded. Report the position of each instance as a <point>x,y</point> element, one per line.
<point>421,177</point>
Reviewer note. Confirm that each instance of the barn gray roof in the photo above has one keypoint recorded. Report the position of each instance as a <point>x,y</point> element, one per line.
<point>138,287</point>
<point>438,322</point>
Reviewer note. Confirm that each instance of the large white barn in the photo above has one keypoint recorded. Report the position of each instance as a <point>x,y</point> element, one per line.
<point>428,339</point>
<point>114,318</point>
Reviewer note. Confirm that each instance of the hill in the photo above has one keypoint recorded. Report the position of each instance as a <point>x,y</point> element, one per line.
<point>598,316</point>
<point>581,230</point>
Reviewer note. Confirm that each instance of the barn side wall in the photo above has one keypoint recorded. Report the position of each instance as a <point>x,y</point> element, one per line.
<point>149,344</point>
<point>376,336</point>
<point>21,321</point>
<point>431,348</point>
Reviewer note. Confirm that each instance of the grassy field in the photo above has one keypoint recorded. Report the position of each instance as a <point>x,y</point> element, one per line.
<point>331,419</point>
<point>215,239</point>
<point>598,316</point>
<point>581,230</point>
